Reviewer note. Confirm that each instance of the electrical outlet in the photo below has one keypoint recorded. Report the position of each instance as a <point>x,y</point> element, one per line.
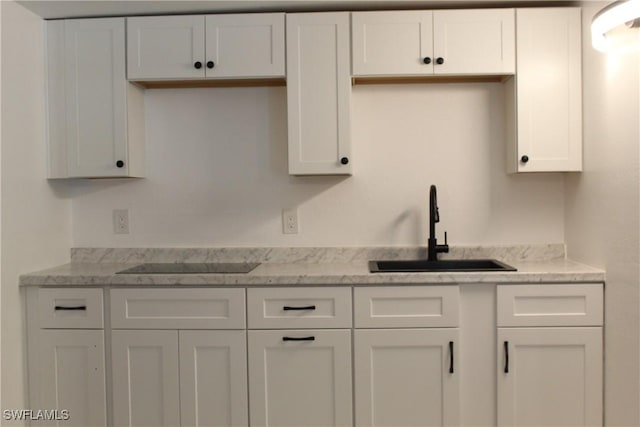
<point>290,221</point>
<point>121,221</point>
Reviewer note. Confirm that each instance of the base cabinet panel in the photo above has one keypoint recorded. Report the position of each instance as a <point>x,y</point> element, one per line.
<point>406,377</point>
<point>213,378</point>
<point>301,382</point>
<point>550,376</point>
<point>72,377</point>
<point>145,378</point>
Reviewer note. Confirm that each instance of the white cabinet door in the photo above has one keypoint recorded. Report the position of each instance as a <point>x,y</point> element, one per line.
<point>406,377</point>
<point>546,103</point>
<point>550,377</point>
<point>165,47</point>
<point>72,378</point>
<point>95,118</point>
<point>145,378</point>
<point>213,378</point>
<point>447,42</point>
<point>245,45</point>
<point>392,43</point>
<point>95,96</point>
<point>304,382</point>
<point>319,93</point>
<point>474,41</point>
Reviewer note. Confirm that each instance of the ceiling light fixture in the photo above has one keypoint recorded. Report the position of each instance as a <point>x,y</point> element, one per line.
<point>613,15</point>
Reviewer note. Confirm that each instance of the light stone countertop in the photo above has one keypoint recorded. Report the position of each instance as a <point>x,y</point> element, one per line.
<point>546,265</point>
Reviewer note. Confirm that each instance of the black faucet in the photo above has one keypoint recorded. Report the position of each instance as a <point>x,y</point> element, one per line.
<point>434,247</point>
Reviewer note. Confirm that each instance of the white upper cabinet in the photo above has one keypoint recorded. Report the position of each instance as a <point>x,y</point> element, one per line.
<point>319,93</point>
<point>164,47</point>
<point>474,41</point>
<point>212,46</point>
<point>392,43</point>
<point>545,98</point>
<point>95,118</point>
<point>247,45</point>
<point>446,42</point>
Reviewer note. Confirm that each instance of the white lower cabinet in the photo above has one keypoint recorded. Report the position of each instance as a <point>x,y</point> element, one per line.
<point>550,360</point>
<point>550,377</point>
<point>406,377</point>
<point>213,378</point>
<point>300,378</point>
<point>179,357</point>
<point>145,378</point>
<point>66,357</point>
<point>320,356</point>
<point>71,375</point>
<point>186,378</point>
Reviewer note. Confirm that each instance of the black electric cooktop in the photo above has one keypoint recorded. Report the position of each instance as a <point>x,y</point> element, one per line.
<point>192,268</point>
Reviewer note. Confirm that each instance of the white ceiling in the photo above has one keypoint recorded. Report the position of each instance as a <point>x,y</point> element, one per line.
<point>54,9</point>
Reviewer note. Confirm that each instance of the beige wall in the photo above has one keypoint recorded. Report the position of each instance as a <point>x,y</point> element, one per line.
<point>217,174</point>
<point>603,211</point>
<point>35,213</point>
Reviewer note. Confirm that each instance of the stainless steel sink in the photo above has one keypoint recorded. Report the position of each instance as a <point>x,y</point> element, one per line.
<point>445,265</point>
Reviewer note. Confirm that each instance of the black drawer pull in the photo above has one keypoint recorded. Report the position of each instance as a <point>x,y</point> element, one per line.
<point>298,338</point>
<point>506,357</point>
<point>72,308</point>
<point>451,357</point>
<point>306,307</point>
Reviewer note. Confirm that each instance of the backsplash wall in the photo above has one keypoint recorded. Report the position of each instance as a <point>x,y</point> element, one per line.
<point>217,174</point>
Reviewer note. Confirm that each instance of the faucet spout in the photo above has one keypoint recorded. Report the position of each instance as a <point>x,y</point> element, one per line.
<point>434,216</point>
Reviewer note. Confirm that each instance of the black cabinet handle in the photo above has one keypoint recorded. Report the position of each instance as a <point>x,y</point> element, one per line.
<point>210,64</point>
<point>439,60</point>
<point>427,60</point>
<point>72,308</point>
<point>451,357</point>
<point>524,159</point>
<point>306,307</point>
<point>506,357</point>
<point>119,163</point>
<point>298,338</point>
<point>197,64</point>
<point>344,160</point>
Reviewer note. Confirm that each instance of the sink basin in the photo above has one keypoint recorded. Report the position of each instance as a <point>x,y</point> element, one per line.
<point>445,265</point>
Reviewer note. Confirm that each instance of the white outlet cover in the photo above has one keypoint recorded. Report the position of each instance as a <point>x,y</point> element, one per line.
<point>290,221</point>
<point>121,221</point>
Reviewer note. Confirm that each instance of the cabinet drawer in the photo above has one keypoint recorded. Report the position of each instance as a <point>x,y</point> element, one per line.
<point>70,308</point>
<point>410,306</point>
<point>289,308</point>
<point>177,309</point>
<point>550,305</point>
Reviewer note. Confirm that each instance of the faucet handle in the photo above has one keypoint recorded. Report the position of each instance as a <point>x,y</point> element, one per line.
<point>445,247</point>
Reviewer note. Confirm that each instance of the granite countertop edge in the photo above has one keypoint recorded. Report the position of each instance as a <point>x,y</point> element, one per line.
<point>356,272</point>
